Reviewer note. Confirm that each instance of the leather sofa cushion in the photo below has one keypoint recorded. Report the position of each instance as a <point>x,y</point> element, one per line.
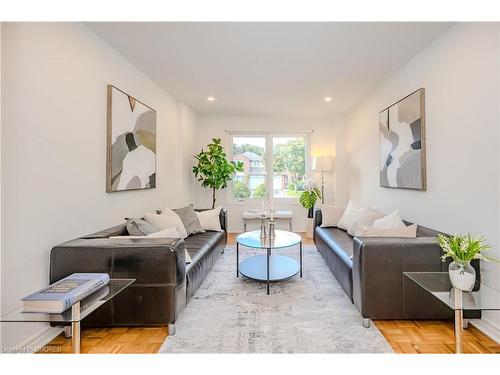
<point>199,244</point>
<point>339,241</point>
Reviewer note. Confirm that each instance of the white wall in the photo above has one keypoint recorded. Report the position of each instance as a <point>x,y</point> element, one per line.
<point>53,149</point>
<point>188,121</point>
<point>324,140</point>
<point>460,73</point>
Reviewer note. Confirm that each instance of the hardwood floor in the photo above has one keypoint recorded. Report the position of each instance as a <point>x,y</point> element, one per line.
<point>432,337</point>
<point>403,336</point>
<point>133,340</point>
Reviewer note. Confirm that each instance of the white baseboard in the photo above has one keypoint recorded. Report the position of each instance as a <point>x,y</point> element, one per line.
<point>34,343</point>
<point>487,328</point>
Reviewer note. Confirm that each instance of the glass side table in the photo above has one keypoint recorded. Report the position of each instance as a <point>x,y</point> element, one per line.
<point>439,285</point>
<point>268,268</point>
<point>72,317</point>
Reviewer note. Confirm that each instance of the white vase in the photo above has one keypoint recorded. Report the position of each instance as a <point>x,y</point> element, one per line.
<point>309,227</point>
<point>462,275</point>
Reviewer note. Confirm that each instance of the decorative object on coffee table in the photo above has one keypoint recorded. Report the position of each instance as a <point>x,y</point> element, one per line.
<point>322,164</point>
<point>308,199</point>
<point>402,143</point>
<point>268,268</point>
<point>462,249</point>
<point>213,169</point>
<point>131,143</point>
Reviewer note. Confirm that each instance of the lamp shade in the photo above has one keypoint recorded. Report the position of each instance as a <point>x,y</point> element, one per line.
<point>322,163</point>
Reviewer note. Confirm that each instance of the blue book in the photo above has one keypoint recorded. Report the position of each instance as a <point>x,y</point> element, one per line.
<point>61,295</point>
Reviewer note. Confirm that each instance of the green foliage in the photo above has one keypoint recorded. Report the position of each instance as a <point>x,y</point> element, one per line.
<point>260,191</point>
<point>240,190</point>
<point>247,147</point>
<point>309,197</point>
<point>463,248</point>
<point>290,157</point>
<point>213,169</point>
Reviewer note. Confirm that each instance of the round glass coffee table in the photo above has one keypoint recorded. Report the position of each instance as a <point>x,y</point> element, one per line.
<point>270,267</point>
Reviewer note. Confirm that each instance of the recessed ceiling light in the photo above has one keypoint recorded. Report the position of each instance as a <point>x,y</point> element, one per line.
<point>211,99</point>
<point>328,99</point>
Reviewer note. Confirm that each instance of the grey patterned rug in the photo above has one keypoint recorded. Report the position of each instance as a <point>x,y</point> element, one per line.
<point>308,315</point>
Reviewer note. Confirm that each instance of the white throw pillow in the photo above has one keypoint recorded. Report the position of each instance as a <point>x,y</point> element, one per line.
<point>366,217</point>
<point>165,233</point>
<point>331,215</point>
<point>393,220</point>
<point>349,217</point>
<point>209,219</point>
<point>409,231</point>
<point>167,219</point>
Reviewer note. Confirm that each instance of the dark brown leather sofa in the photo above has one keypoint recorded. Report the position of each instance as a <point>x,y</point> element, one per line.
<point>370,270</point>
<point>164,283</point>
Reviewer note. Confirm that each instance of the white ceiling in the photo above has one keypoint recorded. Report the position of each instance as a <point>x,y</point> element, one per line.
<point>269,68</point>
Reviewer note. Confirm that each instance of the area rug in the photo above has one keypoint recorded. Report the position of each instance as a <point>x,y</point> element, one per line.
<point>301,315</point>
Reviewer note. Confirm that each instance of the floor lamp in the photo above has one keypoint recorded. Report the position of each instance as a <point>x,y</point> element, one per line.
<point>323,164</point>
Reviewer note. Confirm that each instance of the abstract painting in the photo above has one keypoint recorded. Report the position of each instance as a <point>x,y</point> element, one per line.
<point>131,143</point>
<point>402,143</point>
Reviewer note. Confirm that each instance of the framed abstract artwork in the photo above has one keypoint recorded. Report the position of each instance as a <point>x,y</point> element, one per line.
<point>131,143</point>
<point>402,143</point>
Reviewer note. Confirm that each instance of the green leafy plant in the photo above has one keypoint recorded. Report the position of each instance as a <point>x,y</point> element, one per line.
<point>213,169</point>
<point>240,190</point>
<point>260,191</point>
<point>463,248</point>
<point>309,197</point>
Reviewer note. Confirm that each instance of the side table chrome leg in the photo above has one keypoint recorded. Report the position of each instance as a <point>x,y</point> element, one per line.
<point>458,332</point>
<point>75,327</point>
<point>75,338</point>
<point>366,322</point>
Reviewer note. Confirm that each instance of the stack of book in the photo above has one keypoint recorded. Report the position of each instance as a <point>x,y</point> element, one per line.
<point>61,295</point>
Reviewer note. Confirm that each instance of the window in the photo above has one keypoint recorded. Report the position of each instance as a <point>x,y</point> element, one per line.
<point>269,160</point>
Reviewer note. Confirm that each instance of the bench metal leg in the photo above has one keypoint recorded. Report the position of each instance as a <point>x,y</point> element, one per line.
<point>366,322</point>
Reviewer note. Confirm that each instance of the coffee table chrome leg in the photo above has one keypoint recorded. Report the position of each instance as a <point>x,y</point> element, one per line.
<point>300,247</point>
<point>237,259</point>
<point>267,263</point>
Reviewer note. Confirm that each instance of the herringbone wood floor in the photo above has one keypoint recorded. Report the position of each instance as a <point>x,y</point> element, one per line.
<point>404,336</point>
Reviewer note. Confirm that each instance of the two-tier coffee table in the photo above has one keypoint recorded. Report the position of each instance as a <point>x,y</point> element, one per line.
<point>72,317</point>
<point>270,267</point>
<point>439,285</point>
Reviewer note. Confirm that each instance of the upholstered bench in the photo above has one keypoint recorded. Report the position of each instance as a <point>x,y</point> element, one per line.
<point>254,214</point>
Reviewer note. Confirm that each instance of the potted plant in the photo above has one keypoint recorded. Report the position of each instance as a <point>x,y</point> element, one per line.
<point>213,169</point>
<point>308,199</point>
<point>462,249</point>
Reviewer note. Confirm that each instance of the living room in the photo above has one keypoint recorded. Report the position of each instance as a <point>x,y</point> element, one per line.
<point>321,172</point>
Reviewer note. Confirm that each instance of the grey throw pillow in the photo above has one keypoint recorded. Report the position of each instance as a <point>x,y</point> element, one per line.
<point>139,227</point>
<point>189,219</point>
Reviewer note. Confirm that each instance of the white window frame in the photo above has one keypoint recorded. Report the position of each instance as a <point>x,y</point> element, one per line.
<point>268,135</point>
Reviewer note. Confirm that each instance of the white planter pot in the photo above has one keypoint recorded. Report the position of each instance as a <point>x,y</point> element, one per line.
<point>462,276</point>
<point>309,227</point>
